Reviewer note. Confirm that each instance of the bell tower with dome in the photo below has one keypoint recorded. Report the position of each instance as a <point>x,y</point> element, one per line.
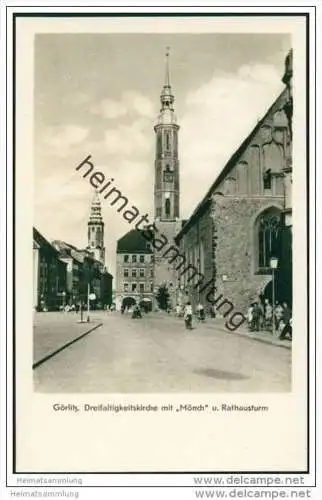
<point>95,233</point>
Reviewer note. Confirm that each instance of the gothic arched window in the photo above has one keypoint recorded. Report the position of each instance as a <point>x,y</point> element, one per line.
<point>167,207</point>
<point>159,145</point>
<point>268,228</point>
<point>167,140</point>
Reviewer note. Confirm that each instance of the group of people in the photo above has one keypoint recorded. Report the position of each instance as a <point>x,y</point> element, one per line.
<point>263,316</point>
<point>186,312</point>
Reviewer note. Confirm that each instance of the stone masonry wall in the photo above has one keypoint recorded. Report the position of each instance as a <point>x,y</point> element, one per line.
<point>237,276</point>
<point>201,231</point>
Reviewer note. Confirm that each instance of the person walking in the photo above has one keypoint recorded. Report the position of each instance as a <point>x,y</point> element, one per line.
<point>287,320</point>
<point>250,316</point>
<point>178,310</point>
<point>278,314</point>
<point>200,312</point>
<point>268,315</point>
<point>257,314</point>
<point>188,316</point>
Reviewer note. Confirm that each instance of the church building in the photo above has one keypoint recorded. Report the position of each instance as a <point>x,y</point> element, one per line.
<point>245,219</point>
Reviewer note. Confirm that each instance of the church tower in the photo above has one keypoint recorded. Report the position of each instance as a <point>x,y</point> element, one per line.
<point>166,187</point>
<point>95,232</point>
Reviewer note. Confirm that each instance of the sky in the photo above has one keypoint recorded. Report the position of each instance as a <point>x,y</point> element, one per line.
<point>99,95</point>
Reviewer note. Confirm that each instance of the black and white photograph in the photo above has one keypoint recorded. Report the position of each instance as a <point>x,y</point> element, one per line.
<point>162,238</point>
<point>161,191</point>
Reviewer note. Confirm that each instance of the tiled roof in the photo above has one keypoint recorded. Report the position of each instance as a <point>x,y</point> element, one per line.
<point>43,243</point>
<point>133,242</point>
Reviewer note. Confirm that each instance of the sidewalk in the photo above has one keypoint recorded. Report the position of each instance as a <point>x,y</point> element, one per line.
<point>262,336</point>
<point>53,330</point>
<point>219,324</point>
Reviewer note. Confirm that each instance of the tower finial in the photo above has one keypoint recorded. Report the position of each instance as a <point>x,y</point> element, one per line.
<point>167,70</point>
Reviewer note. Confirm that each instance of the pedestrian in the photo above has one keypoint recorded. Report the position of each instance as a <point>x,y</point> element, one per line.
<point>287,320</point>
<point>188,316</point>
<point>250,316</point>
<point>278,314</point>
<point>257,314</point>
<point>200,312</point>
<point>178,310</point>
<point>268,314</point>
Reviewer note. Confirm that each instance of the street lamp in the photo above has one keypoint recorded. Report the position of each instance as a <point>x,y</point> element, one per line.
<point>273,263</point>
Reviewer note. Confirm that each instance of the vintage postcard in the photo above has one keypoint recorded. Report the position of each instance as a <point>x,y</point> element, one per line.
<point>161,244</point>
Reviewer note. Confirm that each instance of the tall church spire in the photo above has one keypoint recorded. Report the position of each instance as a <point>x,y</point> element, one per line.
<point>167,69</point>
<point>167,98</point>
<point>166,185</point>
<point>96,230</point>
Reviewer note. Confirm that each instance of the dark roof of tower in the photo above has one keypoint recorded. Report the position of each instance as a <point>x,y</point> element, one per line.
<point>133,242</point>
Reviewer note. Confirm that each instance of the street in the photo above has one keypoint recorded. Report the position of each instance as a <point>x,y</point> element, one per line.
<point>156,354</point>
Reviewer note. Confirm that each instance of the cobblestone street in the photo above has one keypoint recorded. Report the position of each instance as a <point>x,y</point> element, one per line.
<point>155,354</point>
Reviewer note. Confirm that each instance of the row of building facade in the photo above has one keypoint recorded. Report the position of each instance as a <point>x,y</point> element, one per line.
<point>224,249</point>
<point>65,275</point>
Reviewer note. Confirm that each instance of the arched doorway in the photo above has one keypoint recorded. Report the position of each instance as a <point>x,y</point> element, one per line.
<point>128,302</point>
<point>146,304</point>
<point>267,292</point>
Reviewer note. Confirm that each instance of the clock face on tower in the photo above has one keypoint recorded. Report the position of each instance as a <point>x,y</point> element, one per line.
<point>168,176</point>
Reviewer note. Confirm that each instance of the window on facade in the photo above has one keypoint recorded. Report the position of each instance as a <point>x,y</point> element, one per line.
<point>158,212</point>
<point>125,273</point>
<point>151,273</point>
<point>133,258</point>
<point>141,287</point>
<point>167,207</point>
<point>159,145</point>
<point>142,259</point>
<point>267,179</point>
<point>167,140</point>
<point>202,257</point>
<point>126,258</point>
<point>125,287</point>
<point>268,237</point>
<point>151,287</point>
<point>134,286</point>
<point>142,273</point>
<point>133,273</point>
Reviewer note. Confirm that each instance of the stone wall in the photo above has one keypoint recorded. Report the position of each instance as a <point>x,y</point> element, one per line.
<point>197,238</point>
<point>224,225</point>
<point>164,272</point>
<point>238,278</point>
